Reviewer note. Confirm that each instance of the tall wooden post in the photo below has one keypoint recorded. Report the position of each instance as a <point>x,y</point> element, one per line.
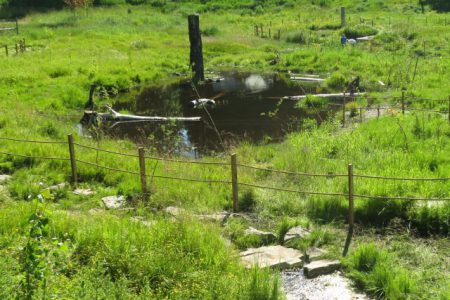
<point>343,112</point>
<point>351,214</point>
<point>196,57</point>
<point>343,14</point>
<point>142,172</point>
<point>73,161</point>
<point>234,182</point>
<point>403,102</point>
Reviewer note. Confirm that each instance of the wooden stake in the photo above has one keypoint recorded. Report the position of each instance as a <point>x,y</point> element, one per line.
<point>196,54</point>
<point>378,112</point>
<point>17,48</point>
<point>234,181</point>
<point>17,27</point>
<point>142,172</point>
<point>6,50</point>
<point>360,115</point>
<point>351,213</point>
<point>270,36</point>
<point>343,112</point>
<point>73,161</point>
<point>403,102</point>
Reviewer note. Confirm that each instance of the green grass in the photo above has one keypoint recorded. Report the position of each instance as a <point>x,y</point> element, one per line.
<point>44,91</point>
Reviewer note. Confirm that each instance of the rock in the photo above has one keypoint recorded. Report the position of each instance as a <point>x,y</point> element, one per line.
<point>314,254</point>
<point>272,257</point>
<point>58,186</point>
<point>265,237</point>
<point>174,211</point>
<point>219,217</point>
<point>296,232</point>
<point>4,178</point>
<point>84,192</point>
<point>321,267</point>
<point>113,202</point>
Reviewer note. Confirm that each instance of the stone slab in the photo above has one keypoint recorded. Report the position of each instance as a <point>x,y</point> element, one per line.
<point>321,267</point>
<point>113,202</point>
<point>314,254</point>
<point>272,257</point>
<point>296,232</point>
<point>264,236</point>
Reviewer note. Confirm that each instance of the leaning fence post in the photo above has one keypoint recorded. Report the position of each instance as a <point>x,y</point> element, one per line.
<point>142,173</point>
<point>73,161</point>
<point>403,102</point>
<point>234,182</point>
<point>351,216</point>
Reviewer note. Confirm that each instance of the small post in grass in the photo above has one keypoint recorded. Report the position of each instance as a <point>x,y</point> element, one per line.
<point>234,182</point>
<point>378,112</point>
<point>17,49</point>
<point>257,30</point>
<point>343,13</point>
<point>449,108</point>
<point>360,115</point>
<point>142,172</point>
<point>6,50</point>
<point>351,214</point>
<point>17,26</point>
<point>270,36</point>
<point>343,112</point>
<point>73,161</point>
<point>279,34</point>
<point>403,102</point>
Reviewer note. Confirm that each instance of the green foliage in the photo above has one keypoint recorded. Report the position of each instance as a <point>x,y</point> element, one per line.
<point>360,30</point>
<point>337,82</point>
<point>298,37</point>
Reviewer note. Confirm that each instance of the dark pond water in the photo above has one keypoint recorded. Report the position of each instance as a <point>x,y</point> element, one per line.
<point>248,107</point>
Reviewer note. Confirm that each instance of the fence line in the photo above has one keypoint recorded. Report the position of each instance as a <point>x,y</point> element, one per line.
<point>105,167</point>
<point>400,178</point>
<point>32,141</point>
<point>290,190</point>
<point>291,173</point>
<point>188,161</point>
<point>400,198</point>
<point>35,157</point>
<point>104,150</point>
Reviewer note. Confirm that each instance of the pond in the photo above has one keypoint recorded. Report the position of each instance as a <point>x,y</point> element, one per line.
<point>248,107</point>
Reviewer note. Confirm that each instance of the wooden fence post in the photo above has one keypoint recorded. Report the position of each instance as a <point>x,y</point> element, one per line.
<point>73,161</point>
<point>360,115</point>
<point>196,54</point>
<point>17,48</point>
<point>378,112</point>
<point>257,30</point>
<point>6,50</point>
<point>403,102</point>
<point>449,108</point>
<point>17,26</point>
<point>351,214</point>
<point>343,112</point>
<point>234,182</point>
<point>343,13</point>
<point>142,172</point>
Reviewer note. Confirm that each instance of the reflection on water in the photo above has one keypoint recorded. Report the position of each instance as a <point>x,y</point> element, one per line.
<point>248,107</point>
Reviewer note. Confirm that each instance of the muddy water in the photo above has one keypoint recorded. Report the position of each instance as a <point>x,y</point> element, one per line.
<point>248,107</point>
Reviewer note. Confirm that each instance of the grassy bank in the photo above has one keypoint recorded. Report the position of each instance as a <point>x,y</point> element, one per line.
<point>43,92</point>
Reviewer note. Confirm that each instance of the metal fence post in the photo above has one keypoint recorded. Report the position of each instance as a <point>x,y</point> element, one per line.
<point>234,182</point>
<point>73,161</point>
<point>142,172</point>
<point>351,213</point>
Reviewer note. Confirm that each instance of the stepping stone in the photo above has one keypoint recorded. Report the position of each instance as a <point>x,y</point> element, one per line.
<point>219,217</point>
<point>321,267</point>
<point>4,178</point>
<point>272,257</point>
<point>113,202</point>
<point>296,232</point>
<point>314,254</point>
<point>84,192</point>
<point>265,237</point>
<point>58,186</point>
<point>174,211</point>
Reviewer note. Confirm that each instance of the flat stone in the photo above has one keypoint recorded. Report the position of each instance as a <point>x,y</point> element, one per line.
<point>84,192</point>
<point>314,254</point>
<point>113,202</point>
<point>272,257</point>
<point>321,267</point>
<point>4,178</point>
<point>173,211</point>
<point>59,186</point>
<point>218,217</point>
<point>296,232</point>
<point>265,237</point>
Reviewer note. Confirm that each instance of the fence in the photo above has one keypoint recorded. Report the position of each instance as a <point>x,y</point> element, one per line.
<point>10,28</point>
<point>20,47</point>
<point>234,182</point>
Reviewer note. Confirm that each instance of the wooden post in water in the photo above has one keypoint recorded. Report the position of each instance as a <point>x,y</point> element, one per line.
<point>403,102</point>
<point>351,214</point>
<point>343,17</point>
<point>73,161</point>
<point>234,182</point>
<point>196,56</point>
<point>142,172</point>
<point>6,50</point>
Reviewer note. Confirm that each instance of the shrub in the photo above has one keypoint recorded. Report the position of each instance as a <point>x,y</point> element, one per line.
<point>337,81</point>
<point>298,37</point>
<point>359,31</point>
